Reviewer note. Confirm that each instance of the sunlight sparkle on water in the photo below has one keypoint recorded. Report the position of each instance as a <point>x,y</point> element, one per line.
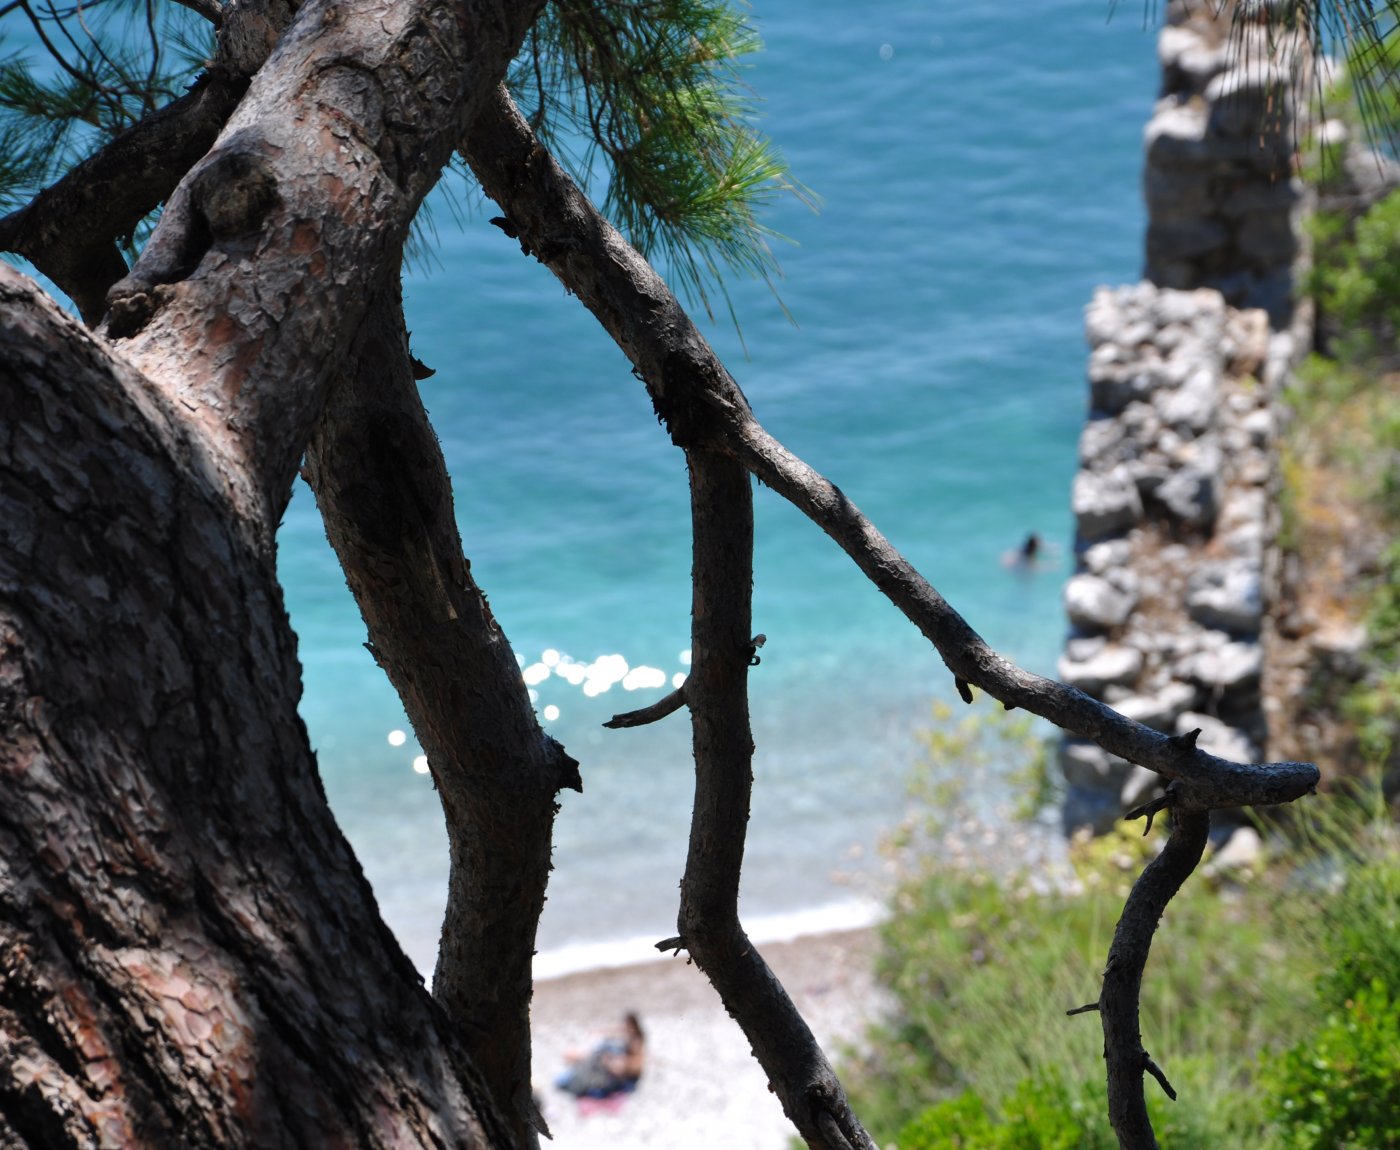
<point>678,679</point>
<point>640,678</point>
<point>536,673</point>
<point>397,738</point>
<point>420,764</point>
<point>551,713</point>
<point>549,657</point>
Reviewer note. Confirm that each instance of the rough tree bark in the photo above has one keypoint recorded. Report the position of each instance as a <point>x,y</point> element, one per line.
<point>190,955</point>
<point>382,486</point>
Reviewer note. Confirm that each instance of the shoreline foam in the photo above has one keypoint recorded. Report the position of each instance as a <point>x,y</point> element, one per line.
<point>763,930</point>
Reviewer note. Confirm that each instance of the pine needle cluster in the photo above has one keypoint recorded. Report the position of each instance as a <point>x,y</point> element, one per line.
<point>642,99</point>
<point>75,76</point>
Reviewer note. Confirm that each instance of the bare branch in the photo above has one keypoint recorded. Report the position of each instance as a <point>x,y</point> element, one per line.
<point>1156,1071</point>
<point>211,10</point>
<point>702,404</point>
<point>717,692</point>
<point>1122,979</point>
<point>658,710</point>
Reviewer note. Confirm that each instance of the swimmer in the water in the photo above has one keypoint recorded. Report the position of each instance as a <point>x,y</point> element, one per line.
<point>1031,552</point>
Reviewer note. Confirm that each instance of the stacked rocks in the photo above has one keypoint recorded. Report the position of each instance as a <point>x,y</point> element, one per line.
<point>1172,520</point>
<point>1221,195</point>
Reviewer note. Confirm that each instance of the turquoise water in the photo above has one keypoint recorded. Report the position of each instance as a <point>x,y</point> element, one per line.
<point>978,167</point>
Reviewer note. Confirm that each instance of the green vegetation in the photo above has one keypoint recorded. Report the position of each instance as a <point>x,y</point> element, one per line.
<point>1341,455</point>
<point>1341,469</point>
<point>656,89</point>
<point>652,89</point>
<point>1356,280</point>
<point>1272,999</point>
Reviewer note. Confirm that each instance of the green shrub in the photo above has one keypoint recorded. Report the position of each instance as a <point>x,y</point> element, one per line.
<point>960,1123</point>
<point>982,965</point>
<point>1340,1089</point>
<point>1041,1114</point>
<point>1361,927</point>
<point>1356,278</point>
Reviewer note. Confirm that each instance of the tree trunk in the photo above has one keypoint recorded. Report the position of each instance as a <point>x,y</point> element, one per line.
<point>189,953</point>
<point>382,486</point>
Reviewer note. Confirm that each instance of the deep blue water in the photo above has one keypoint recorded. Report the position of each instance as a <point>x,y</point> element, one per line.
<point>978,169</point>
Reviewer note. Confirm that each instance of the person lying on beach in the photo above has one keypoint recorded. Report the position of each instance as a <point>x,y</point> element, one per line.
<point>614,1066</point>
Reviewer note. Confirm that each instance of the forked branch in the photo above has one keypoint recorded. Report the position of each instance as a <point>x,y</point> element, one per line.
<point>71,230</point>
<point>1127,1060</point>
<point>703,405</point>
<point>704,408</point>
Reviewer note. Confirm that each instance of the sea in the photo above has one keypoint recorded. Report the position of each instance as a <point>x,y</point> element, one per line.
<point>977,167</point>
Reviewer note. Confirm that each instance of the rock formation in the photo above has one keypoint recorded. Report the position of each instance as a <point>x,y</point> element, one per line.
<point>1222,194</point>
<point>1174,500</point>
<point>1172,509</point>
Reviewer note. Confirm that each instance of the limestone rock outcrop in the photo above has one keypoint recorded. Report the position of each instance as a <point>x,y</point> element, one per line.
<point>1172,518</point>
<point>1221,192</point>
<point>1174,501</point>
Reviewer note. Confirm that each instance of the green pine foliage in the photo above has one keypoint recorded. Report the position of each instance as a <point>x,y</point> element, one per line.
<point>643,100</point>
<point>93,71</point>
<point>654,90</point>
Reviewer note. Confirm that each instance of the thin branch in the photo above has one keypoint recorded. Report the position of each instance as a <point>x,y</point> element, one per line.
<point>1156,1071</point>
<point>211,10</point>
<point>702,404</point>
<point>1126,1059</point>
<point>717,692</point>
<point>658,710</point>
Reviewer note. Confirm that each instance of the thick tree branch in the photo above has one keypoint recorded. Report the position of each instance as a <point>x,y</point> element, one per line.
<point>701,403</point>
<point>70,231</point>
<point>717,693</point>
<point>190,953</point>
<point>208,890</point>
<point>383,489</point>
<point>244,299</point>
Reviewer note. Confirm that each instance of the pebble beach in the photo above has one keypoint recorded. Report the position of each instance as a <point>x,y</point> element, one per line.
<point>702,1086</point>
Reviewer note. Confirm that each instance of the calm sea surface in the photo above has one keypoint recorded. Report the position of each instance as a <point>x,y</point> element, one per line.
<point>978,170</point>
<point>978,167</point>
